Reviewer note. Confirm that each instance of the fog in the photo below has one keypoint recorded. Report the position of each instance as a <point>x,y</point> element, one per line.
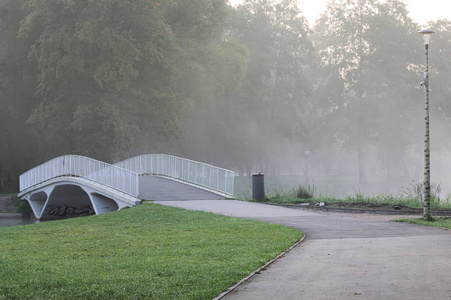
<point>254,88</point>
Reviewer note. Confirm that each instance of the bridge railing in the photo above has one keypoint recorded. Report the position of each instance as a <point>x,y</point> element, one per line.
<point>112,176</point>
<point>197,173</point>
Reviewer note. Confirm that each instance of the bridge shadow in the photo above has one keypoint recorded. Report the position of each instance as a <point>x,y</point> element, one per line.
<point>163,189</point>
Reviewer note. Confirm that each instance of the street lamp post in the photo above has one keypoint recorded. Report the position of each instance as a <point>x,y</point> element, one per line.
<point>427,170</point>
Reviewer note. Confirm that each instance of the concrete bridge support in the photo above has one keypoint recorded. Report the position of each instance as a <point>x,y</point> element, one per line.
<point>66,197</point>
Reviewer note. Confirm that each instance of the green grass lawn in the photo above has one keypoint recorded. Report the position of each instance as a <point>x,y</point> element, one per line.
<point>146,252</point>
<point>444,222</point>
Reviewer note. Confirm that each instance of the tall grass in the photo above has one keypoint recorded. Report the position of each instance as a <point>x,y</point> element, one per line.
<point>282,191</point>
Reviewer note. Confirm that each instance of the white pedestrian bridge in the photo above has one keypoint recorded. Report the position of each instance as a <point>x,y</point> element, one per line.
<point>74,185</point>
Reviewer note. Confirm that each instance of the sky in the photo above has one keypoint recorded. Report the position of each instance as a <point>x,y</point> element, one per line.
<point>421,11</point>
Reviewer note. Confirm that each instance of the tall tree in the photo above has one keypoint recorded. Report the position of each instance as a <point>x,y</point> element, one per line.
<point>210,68</point>
<point>440,67</point>
<point>369,44</point>
<point>196,22</point>
<point>276,89</point>
<point>343,27</point>
<point>395,76</point>
<point>17,96</point>
<point>105,73</point>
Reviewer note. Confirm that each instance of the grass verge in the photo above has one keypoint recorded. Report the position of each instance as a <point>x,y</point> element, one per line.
<point>286,190</point>
<point>402,200</point>
<point>444,222</point>
<point>145,252</point>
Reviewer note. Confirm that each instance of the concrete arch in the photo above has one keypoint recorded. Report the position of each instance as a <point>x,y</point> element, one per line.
<point>67,201</point>
<point>68,197</point>
<point>37,202</point>
<point>103,204</point>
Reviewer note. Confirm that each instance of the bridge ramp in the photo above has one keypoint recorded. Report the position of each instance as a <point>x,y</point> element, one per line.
<point>164,189</point>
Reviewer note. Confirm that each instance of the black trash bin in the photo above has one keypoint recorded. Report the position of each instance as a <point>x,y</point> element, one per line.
<point>258,186</point>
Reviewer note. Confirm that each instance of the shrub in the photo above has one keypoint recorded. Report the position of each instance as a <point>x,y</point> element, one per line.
<point>305,192</point>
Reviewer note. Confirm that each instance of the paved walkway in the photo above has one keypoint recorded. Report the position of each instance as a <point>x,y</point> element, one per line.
<point>164,189</point>
<point>344,258</point>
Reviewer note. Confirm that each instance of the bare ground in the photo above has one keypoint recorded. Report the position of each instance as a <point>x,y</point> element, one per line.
<point>369,210</point>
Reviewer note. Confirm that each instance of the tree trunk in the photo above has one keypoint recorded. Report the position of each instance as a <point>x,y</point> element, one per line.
<point>418,168</point>
<point>427,171</point>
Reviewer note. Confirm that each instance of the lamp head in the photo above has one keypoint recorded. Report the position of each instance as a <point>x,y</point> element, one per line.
<point>426,35</point>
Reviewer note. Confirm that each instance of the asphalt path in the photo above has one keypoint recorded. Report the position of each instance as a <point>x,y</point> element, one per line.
<point>163,189</point>
<point>344,258</point>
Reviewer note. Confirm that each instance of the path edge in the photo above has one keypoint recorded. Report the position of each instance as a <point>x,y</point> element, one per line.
<point>259,269</point>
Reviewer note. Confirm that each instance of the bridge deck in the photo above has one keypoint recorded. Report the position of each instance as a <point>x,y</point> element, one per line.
<point>163,189</point>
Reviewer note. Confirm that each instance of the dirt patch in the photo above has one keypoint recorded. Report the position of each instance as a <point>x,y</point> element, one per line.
<point>371,207</point>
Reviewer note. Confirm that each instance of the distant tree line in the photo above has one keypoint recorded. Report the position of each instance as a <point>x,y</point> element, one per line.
<point>247,87</point>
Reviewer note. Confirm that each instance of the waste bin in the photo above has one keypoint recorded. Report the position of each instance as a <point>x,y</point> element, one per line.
<point>258,186</point>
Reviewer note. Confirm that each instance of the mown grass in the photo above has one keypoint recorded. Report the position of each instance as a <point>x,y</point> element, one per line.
<point>444,222</point>
<point>146,252</point>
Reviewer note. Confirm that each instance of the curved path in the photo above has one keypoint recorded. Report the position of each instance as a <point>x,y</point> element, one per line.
<point>344,258</point>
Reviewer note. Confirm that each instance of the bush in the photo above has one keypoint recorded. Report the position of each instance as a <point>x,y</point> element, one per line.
<point>24,208</point>
<point>305,192</point>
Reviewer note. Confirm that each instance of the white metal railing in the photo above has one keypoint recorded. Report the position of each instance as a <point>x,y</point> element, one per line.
<point>197,173</point>
<point>120,179</point>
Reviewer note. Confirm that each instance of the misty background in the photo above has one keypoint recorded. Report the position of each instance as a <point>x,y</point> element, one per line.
<point>251,88</point>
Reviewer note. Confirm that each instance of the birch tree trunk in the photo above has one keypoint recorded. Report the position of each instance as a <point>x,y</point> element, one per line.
<point>427,169</point>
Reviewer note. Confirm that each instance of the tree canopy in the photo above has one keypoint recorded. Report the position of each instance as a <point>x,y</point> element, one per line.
<point>249,87</point>
<point>371,45</point>
<point>104,66</point>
